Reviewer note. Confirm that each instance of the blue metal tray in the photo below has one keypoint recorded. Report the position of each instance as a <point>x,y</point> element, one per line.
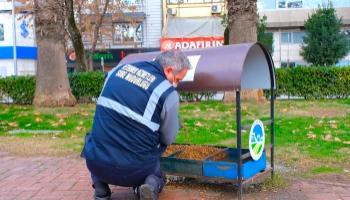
<point>219,166</point>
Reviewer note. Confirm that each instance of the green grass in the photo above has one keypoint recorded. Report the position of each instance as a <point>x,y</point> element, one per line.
<point>317,130</point>
<point>75,120</point>
<point>278,181</point>
<point>326,169</point>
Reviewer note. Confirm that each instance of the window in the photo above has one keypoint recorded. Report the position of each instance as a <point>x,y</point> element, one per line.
<point>285,4</point>
<point>127,33</point>
<point>290,4</point>
<point>292,37</point>
<point>133,2</point>
<point>268,4</point>
<point>2,32</point>
<point>298,37</point>
<point>281,4</point>
<point>194,1</point>
<point>286,37</point>
<point>295,4</point>
<point>287,64</point>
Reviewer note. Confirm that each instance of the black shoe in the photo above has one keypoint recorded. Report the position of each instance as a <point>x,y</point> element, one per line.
<point>108,197</point>
<point>136,191</point>
<point>147,192</point>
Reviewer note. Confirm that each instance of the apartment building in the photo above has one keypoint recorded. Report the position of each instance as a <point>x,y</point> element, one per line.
<point>285,19</point>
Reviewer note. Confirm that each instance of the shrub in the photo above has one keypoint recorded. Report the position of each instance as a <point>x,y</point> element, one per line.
<point>86,85</point>
<point>324,43</point>
<point>20,88</point>
<point>306,82</point>
<point>314,82</point>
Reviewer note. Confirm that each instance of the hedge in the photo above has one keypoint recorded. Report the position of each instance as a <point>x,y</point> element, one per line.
<point>21,89</point>
<point>314,82</point>
<point>86,85</point>
<point>306,82</point>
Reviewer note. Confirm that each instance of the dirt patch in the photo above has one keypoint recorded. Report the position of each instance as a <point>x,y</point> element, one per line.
<point>292,158</point>
<point>340,179</point>
<point>318,112</point>
<point>37,146</point>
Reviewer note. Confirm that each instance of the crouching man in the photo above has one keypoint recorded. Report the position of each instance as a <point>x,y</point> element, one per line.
<point>136,118</point>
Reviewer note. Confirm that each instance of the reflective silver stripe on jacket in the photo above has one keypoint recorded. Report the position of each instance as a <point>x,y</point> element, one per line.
<point>149,111</point>
<point>123,110</point>
<point>153,100</point>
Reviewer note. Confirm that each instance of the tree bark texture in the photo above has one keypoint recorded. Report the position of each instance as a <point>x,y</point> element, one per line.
<point>242,26</point>
<point>52,85</point>
<point>242,21</point>
<point>75,36</point>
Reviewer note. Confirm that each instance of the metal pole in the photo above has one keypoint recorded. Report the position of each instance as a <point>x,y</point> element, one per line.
<point>272,114</point>
<point>239,143</point>
<point>14,37</point>
<point>102,64</point>
<point>280,43</point>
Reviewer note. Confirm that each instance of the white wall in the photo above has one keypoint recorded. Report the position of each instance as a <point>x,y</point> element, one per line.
<point>152,24</point>
<point>29,40</point>
<point>6,20</point>
<point>24,67</point>
<point>25,37</point>
<point>285,52</point>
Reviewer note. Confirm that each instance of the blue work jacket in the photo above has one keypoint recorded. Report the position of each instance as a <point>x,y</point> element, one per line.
<point>125,130</point>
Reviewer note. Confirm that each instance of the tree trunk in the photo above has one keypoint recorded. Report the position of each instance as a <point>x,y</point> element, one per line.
<point>242,21</point>
<point>242,25</point>
<point>96,32</point>
<point>90,61</point>
<point>75,36</point>
<point>52,85</point>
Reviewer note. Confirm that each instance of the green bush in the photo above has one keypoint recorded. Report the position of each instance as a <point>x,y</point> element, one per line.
<point>306,82</point>
<point>324,44</point>
<point>20,88</point>
<point>86,85</point>
<point>314,82</point>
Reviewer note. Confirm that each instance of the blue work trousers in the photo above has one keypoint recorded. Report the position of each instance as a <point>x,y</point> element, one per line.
<point>102,175</point>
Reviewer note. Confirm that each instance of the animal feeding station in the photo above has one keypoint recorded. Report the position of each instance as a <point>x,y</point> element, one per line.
<point>227,68</point>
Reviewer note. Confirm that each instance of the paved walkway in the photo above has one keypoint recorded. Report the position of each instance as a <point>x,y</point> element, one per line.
<point>52,178</point>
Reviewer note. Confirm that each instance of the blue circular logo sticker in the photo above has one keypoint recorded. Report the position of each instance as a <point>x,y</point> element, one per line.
<point>256,140</point>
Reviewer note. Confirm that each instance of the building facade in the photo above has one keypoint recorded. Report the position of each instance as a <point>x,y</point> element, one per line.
<point>18,51</point>
<point>192,24</point>
<point>285,19</point>
<point>192,8</point>
<point>139,26</point>
<point>136,30</point>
